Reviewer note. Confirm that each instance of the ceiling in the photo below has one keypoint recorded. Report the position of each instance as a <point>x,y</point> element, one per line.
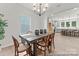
<point>55,7</point>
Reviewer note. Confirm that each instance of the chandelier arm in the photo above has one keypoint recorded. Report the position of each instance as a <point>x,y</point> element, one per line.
<point>39,8</point>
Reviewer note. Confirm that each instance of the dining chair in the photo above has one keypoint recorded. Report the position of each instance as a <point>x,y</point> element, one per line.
<point>51,42</point>
<point>20,48</point>
<point>43,44</point>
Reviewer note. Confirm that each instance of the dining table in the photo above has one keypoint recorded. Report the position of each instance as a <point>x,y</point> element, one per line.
<point>32,39</point>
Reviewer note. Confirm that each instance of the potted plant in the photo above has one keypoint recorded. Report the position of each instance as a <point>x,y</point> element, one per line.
<point>3,24</point>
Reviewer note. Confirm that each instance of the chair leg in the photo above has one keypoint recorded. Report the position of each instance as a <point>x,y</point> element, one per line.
<point>53,44</point>
<point>30,52</point>
<point>45,52</point>
<point>48,48</point>
<point>15,53</point>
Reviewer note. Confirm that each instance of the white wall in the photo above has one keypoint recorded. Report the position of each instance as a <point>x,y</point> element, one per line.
<point>45,18</point>
<point>12,12</point>
<point>69,15</point>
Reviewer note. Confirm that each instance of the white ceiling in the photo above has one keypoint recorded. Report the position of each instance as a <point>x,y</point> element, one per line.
<point>54,7</point>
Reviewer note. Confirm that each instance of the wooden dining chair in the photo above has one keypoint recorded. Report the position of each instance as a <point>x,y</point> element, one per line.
<point>19,48</point>
<point>51,42</point>
<point>43,44</point>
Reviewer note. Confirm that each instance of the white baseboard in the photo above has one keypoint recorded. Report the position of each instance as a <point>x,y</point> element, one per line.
<point>7,45</point>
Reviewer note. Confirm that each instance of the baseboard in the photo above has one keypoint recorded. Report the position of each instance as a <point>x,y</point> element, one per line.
<point>9,45</point>
<point>6,46</point>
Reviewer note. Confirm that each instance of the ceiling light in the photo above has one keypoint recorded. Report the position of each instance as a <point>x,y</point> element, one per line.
<point>40,8</point>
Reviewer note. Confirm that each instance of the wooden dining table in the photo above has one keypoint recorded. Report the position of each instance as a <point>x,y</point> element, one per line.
<point>32,39</point>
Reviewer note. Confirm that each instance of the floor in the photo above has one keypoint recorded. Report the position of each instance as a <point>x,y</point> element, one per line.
<point>64,46</point>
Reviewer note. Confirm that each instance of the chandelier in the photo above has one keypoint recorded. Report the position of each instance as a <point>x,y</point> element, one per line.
<point>40,8</point>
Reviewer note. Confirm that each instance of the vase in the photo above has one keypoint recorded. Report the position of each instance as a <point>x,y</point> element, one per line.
<point>41,31</point>
<point>36,32</point>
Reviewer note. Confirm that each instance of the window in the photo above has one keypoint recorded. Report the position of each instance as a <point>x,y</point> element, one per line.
<point>62,24</point>
<point>25,24</point>
<point>73,23</point>
<point>67,24</point>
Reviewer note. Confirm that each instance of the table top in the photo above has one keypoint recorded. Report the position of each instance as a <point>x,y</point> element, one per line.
<point>32,38</point>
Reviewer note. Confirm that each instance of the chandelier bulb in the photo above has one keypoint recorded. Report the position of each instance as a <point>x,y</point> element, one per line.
<point>40,8</point>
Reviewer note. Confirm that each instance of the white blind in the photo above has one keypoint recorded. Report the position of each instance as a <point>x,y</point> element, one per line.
<point>25,24</point>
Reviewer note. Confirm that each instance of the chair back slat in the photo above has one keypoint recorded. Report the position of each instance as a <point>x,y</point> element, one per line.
<point>16,44</point>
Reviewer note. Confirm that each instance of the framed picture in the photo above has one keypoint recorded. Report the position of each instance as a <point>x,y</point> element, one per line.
<point>62,24</point>
<point>73,23</point>
<point>67,24</point>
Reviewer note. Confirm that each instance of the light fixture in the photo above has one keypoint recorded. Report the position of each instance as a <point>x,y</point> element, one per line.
<point>40,8</point>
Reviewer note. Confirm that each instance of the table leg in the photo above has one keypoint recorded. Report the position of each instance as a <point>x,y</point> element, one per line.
<point>34,49</point>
